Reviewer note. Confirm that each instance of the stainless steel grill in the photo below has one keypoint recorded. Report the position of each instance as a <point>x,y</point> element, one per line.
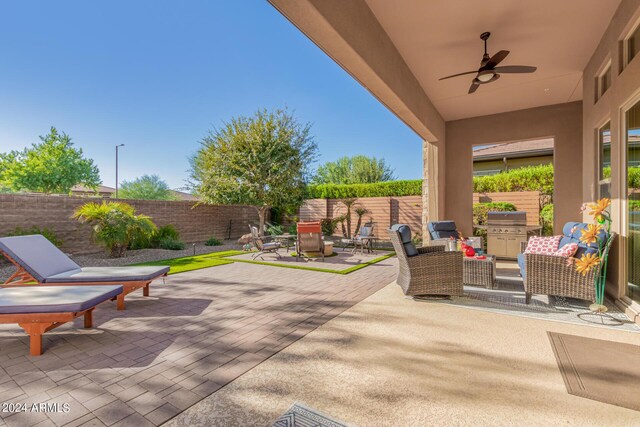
<point>505,232</point>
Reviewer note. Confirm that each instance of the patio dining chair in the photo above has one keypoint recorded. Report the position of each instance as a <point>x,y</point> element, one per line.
<point>263,245</point>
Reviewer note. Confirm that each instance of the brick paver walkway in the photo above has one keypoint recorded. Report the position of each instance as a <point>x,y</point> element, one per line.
<point>166,352</point>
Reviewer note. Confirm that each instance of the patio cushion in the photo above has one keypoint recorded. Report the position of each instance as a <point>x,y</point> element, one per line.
<point>521,264</point>
<point>405,237</point>
<point>54,299</point>
<point>442,229</point>
<point>37,255</point>
<point>109,274</point>
<point>270,246</point>
<point>543,245</point>
<point>572,231</point>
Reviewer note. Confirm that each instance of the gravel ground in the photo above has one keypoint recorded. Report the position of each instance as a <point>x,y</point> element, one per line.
<point>132,257</point>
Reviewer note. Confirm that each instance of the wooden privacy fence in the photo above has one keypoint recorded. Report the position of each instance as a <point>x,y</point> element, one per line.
<point>386,211</point>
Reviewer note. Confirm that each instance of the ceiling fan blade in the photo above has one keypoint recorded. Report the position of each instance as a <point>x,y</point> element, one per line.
<point>460,74</point>
<point>515,69</point>
<point>474,86</point>
<point>495,60</point>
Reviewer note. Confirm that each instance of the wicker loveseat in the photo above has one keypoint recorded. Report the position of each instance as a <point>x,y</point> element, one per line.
<point>553,275</point>
<point>427,270</point>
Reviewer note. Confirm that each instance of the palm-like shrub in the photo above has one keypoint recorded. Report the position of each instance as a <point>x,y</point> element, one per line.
<point>115,225</point>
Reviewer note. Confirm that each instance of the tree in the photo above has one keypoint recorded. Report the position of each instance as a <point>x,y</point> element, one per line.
<point>354,170</point>
<point>52,166</point>
<point>115,225</point>
<point>146,187</point>
<point>261,160</point>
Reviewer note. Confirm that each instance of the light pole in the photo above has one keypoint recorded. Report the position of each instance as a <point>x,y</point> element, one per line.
<point>117,146</point>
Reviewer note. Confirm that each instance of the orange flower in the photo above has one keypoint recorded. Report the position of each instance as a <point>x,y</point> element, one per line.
<point>590,235</point>
<point>586,263</point>
<point>599,208</point>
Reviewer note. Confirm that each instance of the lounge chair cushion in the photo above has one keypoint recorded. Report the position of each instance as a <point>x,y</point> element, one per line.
<point>405,237</point>
<point>37,255</point>
<point>108,274</point>
<point>54,299</point>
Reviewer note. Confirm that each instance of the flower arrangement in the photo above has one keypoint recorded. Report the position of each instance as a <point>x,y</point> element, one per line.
<point>593,234</point>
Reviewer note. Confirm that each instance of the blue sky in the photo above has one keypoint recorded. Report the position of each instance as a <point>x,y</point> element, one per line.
<point>156,75</point>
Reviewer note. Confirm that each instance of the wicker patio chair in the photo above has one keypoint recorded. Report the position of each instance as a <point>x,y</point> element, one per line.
<point>553,275</point>
<point>428,270</point>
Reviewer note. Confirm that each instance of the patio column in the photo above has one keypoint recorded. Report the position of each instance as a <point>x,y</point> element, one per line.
<point>429,185</point>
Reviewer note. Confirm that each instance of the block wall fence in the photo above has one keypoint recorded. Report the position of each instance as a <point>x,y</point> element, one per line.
<point>195,223</point>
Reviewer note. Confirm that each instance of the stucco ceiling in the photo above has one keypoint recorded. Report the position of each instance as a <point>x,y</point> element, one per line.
<point>441,37</point>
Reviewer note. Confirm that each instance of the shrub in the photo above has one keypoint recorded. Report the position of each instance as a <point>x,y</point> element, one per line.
<point>530,178</point>
<point>153,241</point>
<point>213,241</point>
<point>546,219</point>
<point>170,244</point>
<point>328,226</point>
<point>115,225</point>
<point>275,229</point>
<point>49,234</point>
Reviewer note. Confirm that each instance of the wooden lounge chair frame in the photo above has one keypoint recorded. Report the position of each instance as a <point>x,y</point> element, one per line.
<point>22,277</point>
<point>36,324</point>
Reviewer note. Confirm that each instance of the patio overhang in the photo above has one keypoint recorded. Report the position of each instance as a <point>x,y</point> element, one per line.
<point>399,50</point>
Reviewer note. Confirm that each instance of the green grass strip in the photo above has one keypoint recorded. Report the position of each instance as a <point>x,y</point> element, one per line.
<point>189,263</point>
<point>322,270</point>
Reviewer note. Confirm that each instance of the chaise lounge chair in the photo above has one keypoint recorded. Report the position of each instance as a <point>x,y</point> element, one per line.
<point>39,309</point>
<point>38,260</point>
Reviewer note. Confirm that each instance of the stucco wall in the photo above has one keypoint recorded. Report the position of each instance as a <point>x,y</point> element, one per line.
<point>621,95</point>
<point>563,122</point>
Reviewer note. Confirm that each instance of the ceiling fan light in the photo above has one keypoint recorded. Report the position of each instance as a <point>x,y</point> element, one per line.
<point>485,76</point>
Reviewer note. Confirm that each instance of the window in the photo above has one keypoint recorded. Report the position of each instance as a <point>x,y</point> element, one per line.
<point>605,80</point>
<point>632,175</point>
<point>604,161</point>
<point>633,44</point>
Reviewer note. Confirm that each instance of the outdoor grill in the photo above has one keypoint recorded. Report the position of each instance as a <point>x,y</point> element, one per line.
<point>505,232</point>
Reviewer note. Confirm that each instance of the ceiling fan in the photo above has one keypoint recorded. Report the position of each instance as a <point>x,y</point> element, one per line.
<point>489,71</point>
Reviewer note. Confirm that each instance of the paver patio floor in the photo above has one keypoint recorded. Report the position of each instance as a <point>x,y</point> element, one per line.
<point>166,352</point>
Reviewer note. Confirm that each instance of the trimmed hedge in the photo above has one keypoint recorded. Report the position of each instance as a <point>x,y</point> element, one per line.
<point>480,210</point>
<point>530,178</point>
<point>379,189</point>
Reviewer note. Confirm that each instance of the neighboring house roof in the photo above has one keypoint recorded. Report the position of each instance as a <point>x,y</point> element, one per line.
<point>104,190</point>
<point>185,196</point>
<point>537,147</point>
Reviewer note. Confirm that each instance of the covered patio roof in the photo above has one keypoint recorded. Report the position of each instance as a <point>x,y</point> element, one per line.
<point>399,50</point>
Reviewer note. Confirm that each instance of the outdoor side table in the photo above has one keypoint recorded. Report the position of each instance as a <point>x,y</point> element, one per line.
<point>479,272</point>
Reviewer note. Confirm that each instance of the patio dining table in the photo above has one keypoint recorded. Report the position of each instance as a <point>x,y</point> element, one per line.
<point>287,240</point>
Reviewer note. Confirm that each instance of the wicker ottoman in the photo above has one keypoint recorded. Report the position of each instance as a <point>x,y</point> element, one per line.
<point>479,272</point>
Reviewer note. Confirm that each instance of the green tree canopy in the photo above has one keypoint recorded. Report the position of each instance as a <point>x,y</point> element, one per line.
<point>51,166</point>
<point>354,170</point>
<point>146,187</point>
<point>261,160</point>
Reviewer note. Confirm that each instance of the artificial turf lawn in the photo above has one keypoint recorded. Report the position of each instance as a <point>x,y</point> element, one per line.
<point>180,265</point>
<point>189,263</point>
<point>323,270</point>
